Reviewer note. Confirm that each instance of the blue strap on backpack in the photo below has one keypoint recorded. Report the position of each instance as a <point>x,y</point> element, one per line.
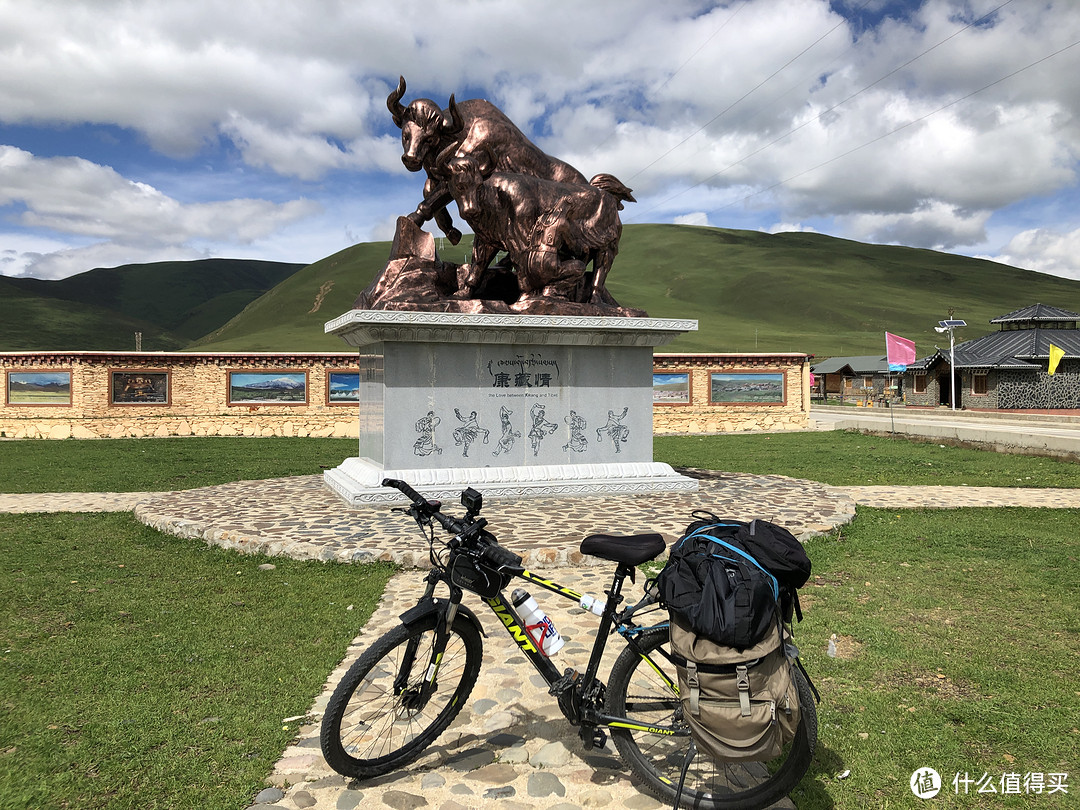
<point>704,531</point>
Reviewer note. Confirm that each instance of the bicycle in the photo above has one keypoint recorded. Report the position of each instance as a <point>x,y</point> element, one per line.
<point>411,683</point>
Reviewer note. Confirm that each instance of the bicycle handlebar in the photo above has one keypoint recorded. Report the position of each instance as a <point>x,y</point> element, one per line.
<point>406,490</point>
<point>432,509</point>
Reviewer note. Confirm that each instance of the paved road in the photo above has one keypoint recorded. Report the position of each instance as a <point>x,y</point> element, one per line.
<point>1031,433</point>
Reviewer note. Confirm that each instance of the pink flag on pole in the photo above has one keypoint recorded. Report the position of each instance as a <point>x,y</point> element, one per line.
<point>899,352</point>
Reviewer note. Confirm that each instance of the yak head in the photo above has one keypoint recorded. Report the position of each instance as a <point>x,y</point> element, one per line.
<point>464,174</point>
<point>425,127</point>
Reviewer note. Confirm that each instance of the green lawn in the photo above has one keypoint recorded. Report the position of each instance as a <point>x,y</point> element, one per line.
<point>841,458</point>
<point>849,458</point>
<point>152,465</point>
<point>959,642</point>
<point>142,671</point>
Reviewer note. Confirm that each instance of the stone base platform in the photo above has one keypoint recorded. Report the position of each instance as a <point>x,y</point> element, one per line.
<point>359,481</point>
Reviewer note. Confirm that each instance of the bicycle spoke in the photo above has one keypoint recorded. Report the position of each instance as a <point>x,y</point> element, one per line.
<point>371,726</point>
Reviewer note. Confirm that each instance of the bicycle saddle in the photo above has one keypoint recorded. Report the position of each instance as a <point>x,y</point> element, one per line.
<point>631,549</point>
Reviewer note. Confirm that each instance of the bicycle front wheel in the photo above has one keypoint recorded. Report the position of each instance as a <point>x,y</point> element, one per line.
<point>381,717</point>
<point>641,688</point>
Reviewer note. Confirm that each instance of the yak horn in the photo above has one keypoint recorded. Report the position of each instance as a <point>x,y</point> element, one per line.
<point>453,124</point>
<point>443,160</point>
<point>393,103</point>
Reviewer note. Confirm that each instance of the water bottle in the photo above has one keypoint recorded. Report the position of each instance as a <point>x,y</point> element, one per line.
<point>592,604</point>
<point>537,624</point>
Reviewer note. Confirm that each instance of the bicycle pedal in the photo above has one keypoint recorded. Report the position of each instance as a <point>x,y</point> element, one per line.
<point>565,683</point>
<point>593,737</point>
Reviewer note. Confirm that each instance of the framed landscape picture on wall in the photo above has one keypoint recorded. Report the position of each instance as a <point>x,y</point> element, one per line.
<point>747,388</point>
<point>671,388</point>
<point>267,387</point>
<point>342,387</point>
<point>139,387</point>
<point>39,388</point>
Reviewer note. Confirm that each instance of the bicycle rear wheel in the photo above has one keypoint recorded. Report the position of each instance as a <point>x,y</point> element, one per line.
<point>640,688</point>
<point>378,719</point>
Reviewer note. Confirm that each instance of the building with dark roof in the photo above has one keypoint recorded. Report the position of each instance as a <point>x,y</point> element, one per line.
<point>861,377</point>
<point>1007,369</point>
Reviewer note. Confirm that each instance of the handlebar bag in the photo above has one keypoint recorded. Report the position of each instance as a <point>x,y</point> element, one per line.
<point>477,577</point>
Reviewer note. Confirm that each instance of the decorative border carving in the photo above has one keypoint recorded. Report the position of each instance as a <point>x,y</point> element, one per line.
<point>357,480</point>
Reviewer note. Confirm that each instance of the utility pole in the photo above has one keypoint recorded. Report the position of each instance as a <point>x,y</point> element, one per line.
<point>950,326</point>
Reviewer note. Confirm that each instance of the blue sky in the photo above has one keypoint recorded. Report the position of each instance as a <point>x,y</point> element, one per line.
<point>137,132</point>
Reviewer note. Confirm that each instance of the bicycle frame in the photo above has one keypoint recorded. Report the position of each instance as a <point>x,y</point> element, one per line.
<point>587,688</point>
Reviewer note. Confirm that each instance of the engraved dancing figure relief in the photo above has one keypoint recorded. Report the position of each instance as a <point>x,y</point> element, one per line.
<point>578,443</point>
<point>509,435</point>
<point>467,433</point>
<point>614,429</point>
<point>540,427</point>
<point>425,426</point>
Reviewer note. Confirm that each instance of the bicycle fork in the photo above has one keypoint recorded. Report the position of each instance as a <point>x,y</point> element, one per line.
<point>414,695</point>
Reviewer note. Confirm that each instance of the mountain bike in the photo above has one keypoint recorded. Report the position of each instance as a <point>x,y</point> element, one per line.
<point>411,683</point>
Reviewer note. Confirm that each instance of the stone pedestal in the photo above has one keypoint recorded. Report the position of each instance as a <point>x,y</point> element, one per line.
<point>513,405</point>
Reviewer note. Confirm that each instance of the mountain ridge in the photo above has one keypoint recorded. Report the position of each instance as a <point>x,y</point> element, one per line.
<point>749,291</point>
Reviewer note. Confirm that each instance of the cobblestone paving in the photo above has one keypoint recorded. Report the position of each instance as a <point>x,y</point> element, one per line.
<point>74,502</point>
<point>300,517</point>
<point>955,497</point>
<point>509,743</point>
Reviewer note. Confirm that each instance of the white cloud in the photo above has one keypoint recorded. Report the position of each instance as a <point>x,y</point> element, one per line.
<point>73,195</point>
<point>133,221</point>
<point>699,218</point>
<point>1046,251</point>
<point>788,227</point>
<point>66,262</point>
<point>935,225</point>
<point>776,108</point>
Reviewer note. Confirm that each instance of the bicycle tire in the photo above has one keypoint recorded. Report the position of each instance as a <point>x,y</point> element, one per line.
<point>637,691</point>
<point>367,729</point>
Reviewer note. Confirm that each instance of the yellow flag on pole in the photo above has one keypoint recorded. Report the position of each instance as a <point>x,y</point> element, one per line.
<point>1056,354</point>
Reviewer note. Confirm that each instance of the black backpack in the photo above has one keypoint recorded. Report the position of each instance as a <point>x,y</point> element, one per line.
<point>724,578</point>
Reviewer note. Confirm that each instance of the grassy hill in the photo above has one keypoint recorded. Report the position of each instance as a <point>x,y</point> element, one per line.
<point>749,291</point>
<point>171,303</point>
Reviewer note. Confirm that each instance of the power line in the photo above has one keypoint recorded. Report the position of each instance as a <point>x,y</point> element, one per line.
<point>902,127</point>
<point>820,115</point>
<point>701,47</point>
<point>748,93</point>
<point>677,70</point>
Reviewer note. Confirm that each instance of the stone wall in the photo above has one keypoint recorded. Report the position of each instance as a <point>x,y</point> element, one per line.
<point>1032,391</point>
<point>137,394</point>
<point>117,395</point>
<point>775,396</point>
<point>1006,389</point>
